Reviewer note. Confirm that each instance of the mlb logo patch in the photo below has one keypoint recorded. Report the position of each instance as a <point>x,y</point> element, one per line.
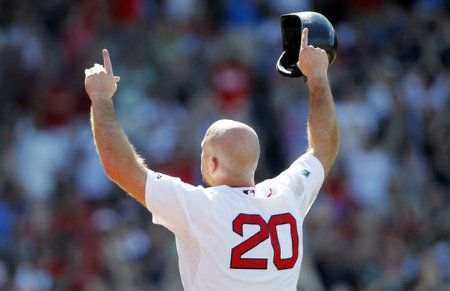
<point>250,191</point>
<point>305,172</point>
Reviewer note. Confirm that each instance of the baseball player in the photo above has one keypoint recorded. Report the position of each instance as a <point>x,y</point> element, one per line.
<point>234,235</point>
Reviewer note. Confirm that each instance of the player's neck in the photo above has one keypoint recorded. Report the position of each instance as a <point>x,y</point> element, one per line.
<point>236,183</point>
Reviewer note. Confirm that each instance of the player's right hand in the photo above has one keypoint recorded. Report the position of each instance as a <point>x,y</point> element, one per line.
<point>312,61</point>
<point>100,82</point>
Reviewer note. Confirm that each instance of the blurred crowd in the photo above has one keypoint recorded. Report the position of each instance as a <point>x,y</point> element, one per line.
<point>382,219</point>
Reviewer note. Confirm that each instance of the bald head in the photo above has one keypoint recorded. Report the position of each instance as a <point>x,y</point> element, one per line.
<point>234,146</point>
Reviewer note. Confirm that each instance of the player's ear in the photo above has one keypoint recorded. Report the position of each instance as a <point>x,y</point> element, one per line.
<point>213,165</point>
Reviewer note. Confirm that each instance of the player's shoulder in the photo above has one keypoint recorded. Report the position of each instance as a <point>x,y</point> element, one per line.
<point>269,183</point>
<point>264,184</point>
<point>173,183</point>
<point>270,188</point>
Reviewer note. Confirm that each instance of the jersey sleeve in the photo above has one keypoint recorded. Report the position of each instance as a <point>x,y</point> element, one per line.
<point>178,206</point>
<point>304,177</point>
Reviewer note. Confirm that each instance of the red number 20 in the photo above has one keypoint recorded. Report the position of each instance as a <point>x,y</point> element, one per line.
<point>266,230</point>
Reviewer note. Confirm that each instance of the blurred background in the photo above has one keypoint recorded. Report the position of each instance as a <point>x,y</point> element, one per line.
<point>382,219</point>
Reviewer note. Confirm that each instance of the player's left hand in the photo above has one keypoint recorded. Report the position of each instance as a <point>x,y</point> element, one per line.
<point>312,61</point>
<point>100,82</point>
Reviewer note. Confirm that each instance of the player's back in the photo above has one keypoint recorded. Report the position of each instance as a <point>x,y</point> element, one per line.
<point>251,240</point>
<point>238,239</point>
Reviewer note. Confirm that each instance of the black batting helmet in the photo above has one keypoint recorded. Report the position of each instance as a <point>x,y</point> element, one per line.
<point>320,34</point>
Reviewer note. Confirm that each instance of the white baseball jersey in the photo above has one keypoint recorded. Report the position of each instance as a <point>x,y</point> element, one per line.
<point>238,239</point>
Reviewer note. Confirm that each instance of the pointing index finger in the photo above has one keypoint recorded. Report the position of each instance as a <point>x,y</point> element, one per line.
<point>107,62</point>
<point>304,40</point>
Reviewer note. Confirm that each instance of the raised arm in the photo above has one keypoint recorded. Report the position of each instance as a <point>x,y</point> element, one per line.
<point>121,162</point>
<point>323,132</point>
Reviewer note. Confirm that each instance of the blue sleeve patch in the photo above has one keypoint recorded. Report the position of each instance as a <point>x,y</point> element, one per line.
<point>305,172</point>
